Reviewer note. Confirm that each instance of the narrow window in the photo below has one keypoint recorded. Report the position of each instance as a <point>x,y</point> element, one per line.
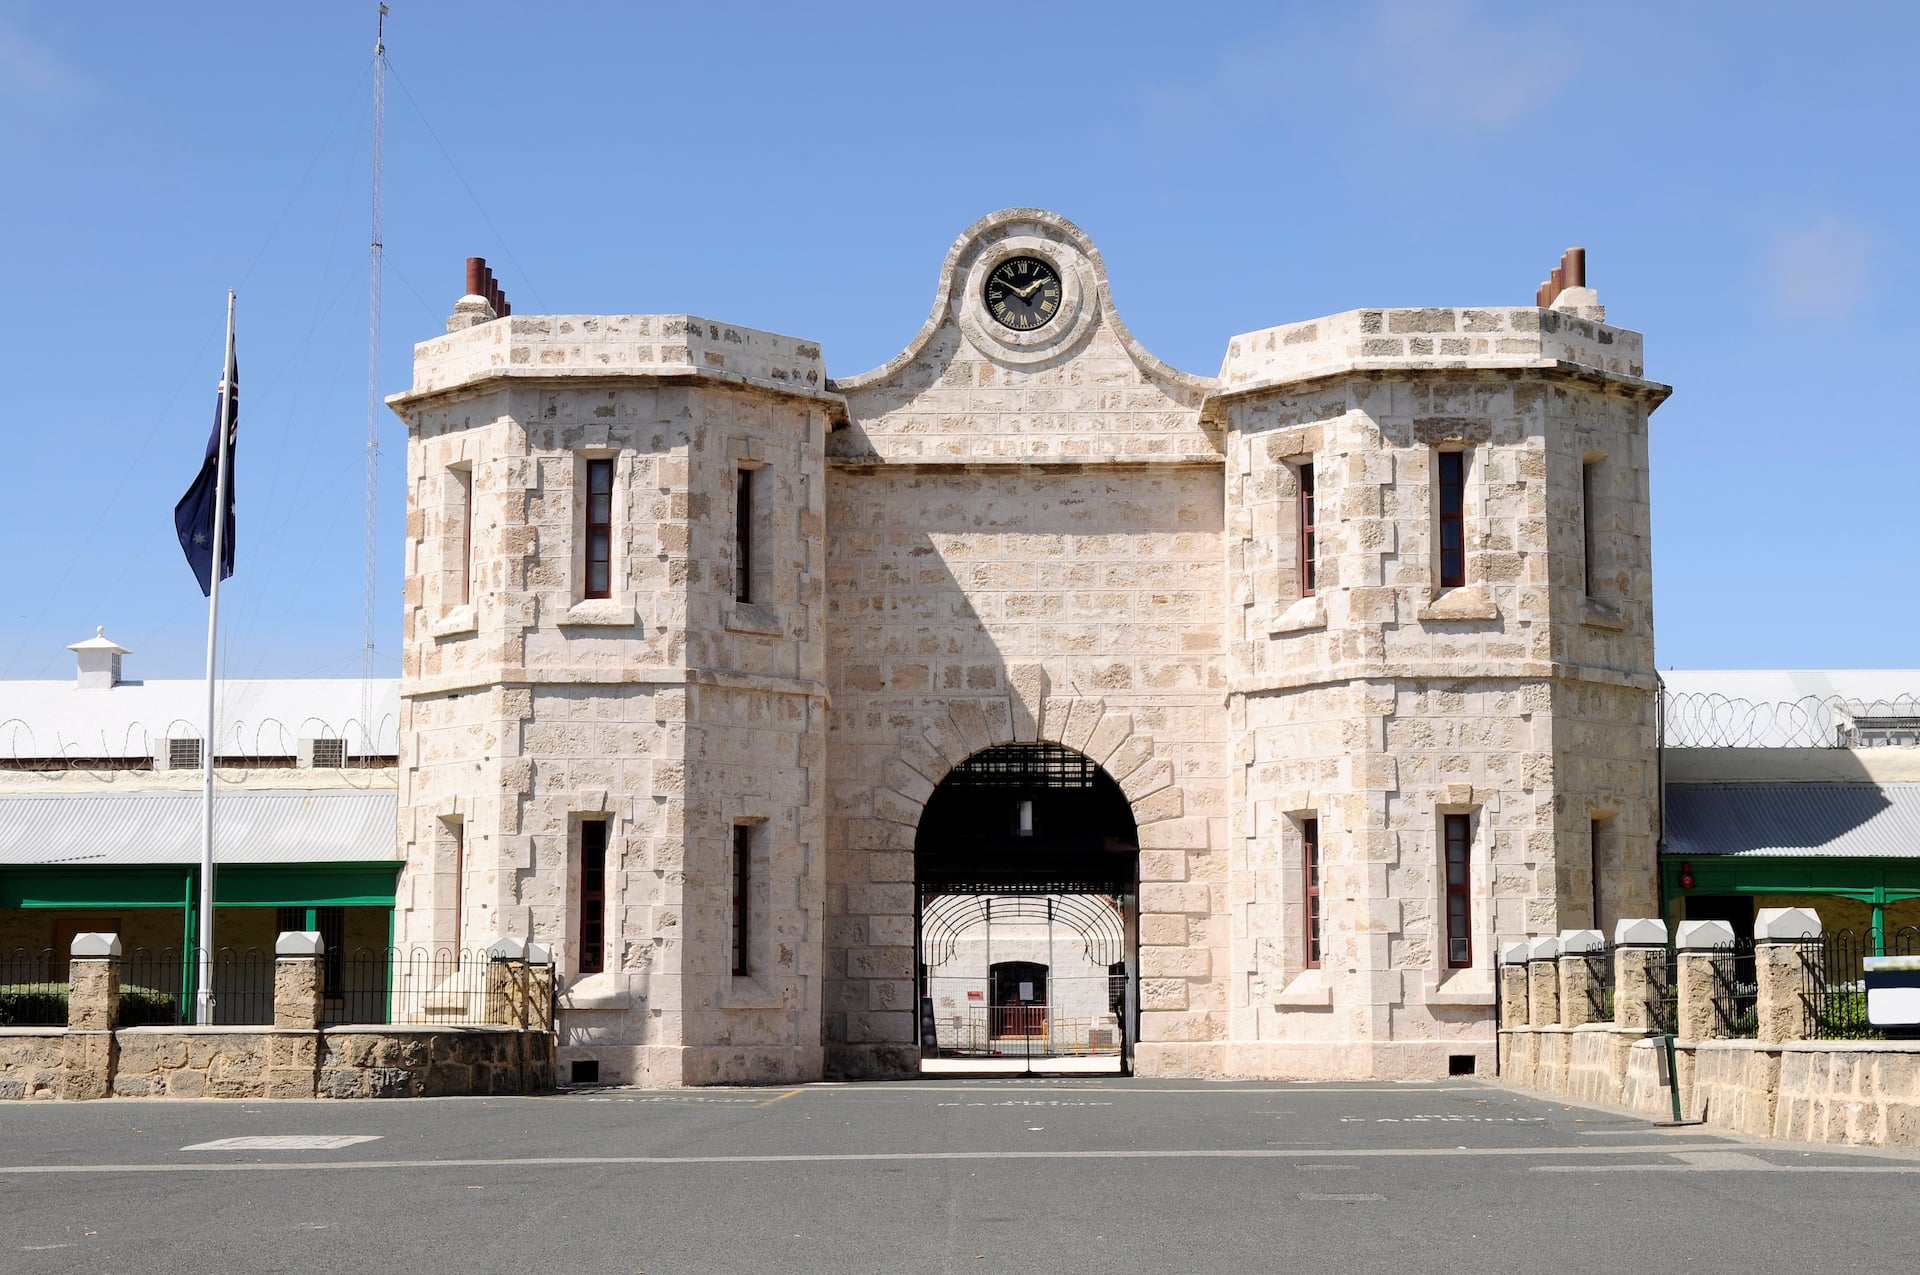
<point>1459,836</point>
<point>1309,546</point>
<point>599,529</point>
<point>1453,543</point>
<point>1310,863</point>
<point>743,536</point>
<point>463,500</point>
<point>742,883</point>
<point>1586,525</point>
<point>1593,859</point>
<point>458,847</point>
<point>593,895</point>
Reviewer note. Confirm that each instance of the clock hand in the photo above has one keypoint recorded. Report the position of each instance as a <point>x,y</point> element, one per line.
<point>1029,290</point>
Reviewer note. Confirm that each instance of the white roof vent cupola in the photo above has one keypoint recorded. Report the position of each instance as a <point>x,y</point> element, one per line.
<point>99,660</point>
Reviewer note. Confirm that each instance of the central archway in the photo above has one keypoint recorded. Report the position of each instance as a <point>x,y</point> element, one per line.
<point>1026,869</point>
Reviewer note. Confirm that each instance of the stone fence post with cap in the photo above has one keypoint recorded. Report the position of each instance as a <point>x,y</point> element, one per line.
<point>1640,974</point>
<point>1513,1009</point>
<point>89,1049</point>
<point>1785,945</point>
<point>1695,944</point>
<point>1576,975</point>
<point>1543,982</point>
<point>293,1051</point>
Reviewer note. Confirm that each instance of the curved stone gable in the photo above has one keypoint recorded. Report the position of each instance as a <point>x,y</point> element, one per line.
<point>1080,388</point>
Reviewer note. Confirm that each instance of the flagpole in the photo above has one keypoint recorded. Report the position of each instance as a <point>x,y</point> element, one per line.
<point>203,983</point>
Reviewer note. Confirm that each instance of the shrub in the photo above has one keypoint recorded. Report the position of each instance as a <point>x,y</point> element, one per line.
<point>33,1005</point>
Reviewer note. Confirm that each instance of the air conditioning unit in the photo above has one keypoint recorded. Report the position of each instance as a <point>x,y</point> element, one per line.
<point>323,754</point>
<point>182,753</point>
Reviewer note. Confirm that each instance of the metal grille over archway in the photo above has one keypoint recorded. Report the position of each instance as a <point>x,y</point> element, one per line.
<point>1026,868</point>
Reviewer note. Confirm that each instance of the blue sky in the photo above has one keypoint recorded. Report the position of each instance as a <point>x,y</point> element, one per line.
<point>1743,178</point>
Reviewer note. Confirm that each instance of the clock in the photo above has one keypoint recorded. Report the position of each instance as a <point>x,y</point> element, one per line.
<point>1022,293</point>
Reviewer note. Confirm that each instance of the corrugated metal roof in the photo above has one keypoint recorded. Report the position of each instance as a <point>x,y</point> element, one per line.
<point>1855,821</point>
<point>165,827</point>
<point>259,718</point>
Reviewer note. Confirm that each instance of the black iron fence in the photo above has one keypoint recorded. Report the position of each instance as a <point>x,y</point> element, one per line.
<point>1833,989</point>
<point>157,987</point>
<point>367,987</point>
<point>435,987</point>
<point>1600,984</point>
<point>29,995</point>
<point>1736,990</point>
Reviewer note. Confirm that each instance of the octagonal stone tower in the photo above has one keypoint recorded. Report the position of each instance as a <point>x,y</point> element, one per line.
<point>1360,628</point>
<point>602,709</point>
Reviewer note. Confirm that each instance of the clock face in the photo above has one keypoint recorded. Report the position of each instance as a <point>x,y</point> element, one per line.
<point>1023,293</point>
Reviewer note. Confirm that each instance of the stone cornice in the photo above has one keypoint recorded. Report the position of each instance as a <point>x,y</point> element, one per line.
<point>1440,671</point>
<point>489,677</point>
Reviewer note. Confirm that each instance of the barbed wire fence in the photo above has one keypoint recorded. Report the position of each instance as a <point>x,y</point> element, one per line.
<point>1705,719</point>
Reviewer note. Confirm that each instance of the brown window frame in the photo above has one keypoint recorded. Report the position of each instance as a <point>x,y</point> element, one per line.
<point>743,535</point>
<point>742,900</point>
<point>593,896</point>
<point>1587,468</point>
<point>463,482</point>
<point>1594,833</point>
<point>599,528</point>
<point>1452,506</point>
<point>458,850</point>
<point>1310,891</point>
<point>1457,851</point>
<point>1306,512</point>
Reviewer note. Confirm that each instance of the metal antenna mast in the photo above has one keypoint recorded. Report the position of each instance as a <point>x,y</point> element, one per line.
<point>367,738</point>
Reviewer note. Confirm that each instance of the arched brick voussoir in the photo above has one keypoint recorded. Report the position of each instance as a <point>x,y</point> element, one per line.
<point>1129,757</point>
<point>971,723</point>
<point>1080,723</point>
<point>896,808</point>
<point>906,781</point>
<point>998,712</point>
<point>1113,730</point>
<point>1147,780</point>
<point>1165,804</point>
<point>946,740</point>
<point>928,761</point>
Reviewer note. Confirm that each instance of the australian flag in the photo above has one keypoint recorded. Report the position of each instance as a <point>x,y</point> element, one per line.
<point>193,516</point>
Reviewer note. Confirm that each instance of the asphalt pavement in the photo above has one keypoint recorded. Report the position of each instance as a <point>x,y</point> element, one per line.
<point>1064,1175</point>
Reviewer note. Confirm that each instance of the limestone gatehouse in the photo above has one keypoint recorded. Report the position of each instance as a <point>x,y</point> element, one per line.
<point>1300,686</point>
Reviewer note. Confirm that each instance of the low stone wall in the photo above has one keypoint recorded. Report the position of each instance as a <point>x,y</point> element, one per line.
<point>1864,1093</point>
<point>396,1062</point>
<point>294,1057</point>
<point>263,1062</point>
<point>1780,1086</point>
<point>32,1062</point>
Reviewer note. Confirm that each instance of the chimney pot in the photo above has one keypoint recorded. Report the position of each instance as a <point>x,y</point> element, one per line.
<point>476,272</point>
<point>1576,267</point>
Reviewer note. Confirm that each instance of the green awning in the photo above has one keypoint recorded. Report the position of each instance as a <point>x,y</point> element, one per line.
<point>236,885</point>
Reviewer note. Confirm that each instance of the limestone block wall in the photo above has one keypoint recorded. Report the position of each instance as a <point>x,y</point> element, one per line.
<point>669,709</point>
<point>968,607</point>
<point>1378,701</point>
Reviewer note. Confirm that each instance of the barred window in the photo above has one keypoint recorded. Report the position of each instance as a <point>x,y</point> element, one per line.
<point>599,529</point>
<point>593,895</point>
<point>743,536</point>
<point>1459,839</point>
<point>1310,895</point>
<point>1308,540</point>
<point>742,900</point>
<point>1452,507</point>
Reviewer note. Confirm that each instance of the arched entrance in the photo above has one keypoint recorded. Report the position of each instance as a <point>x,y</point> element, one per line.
<point>1026,867</point>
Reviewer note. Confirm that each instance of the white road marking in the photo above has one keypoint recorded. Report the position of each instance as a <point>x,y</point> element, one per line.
<point>1339,1199</point>
<point>1584,1152</point>
<point>286,1142</point>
